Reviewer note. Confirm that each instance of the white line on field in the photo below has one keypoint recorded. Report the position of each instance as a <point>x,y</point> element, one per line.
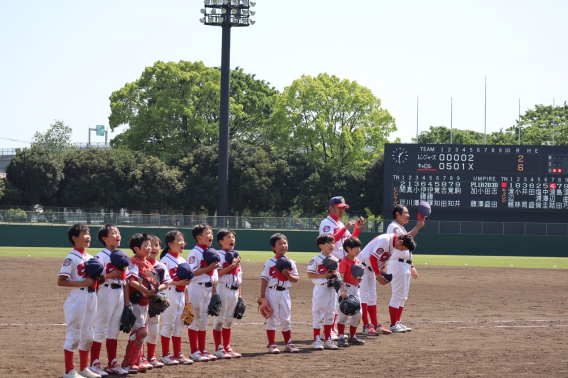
<point>512,326</point>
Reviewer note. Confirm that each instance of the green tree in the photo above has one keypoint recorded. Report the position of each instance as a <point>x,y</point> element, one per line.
<point>537,126</point>
<point>337,122</point>
<point>35,174</point>
<point>56,140</point>
<point>441,135</point>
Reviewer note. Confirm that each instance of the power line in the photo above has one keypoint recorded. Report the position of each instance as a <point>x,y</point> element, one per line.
<point>16,140</point>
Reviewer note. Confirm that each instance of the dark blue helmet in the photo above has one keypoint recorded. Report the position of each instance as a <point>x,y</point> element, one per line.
<point>349,306</point>
<point>231,255</point>
<point>184,272</point>
<point>211,256</point>
<point>119,260</point>
<point>94,268</point>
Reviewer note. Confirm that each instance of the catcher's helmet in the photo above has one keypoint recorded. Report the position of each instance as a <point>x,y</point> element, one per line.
<point>119,259</point>
<point>184,271</point>
<point>93,268</point>
<point>349,306</point>
<point>357,271</point>
<point>210,256</point>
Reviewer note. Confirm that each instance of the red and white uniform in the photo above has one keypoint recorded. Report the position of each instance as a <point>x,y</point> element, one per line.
<point>141,309</point>
<point>374,257</point>
<point>278,295</point>
<point>200,288</point>
<point>80,306</point>
<point>110,301</point>
<point>351,285</point>
<point>172,323</point>
<point>324,298</point>
<point>154,323</point>
<point>228,290</point>
<point>332,225</point>
<point>400,270</point>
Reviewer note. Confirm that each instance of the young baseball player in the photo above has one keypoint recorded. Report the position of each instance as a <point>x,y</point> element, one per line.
<point>324,298</point>
<point>172,326</point>
<point>81,304</point>
<point>139,267</point>
<point>349,286</point>
<point>201,288</point>
<point>229,289</point>
<point>401,267</point>
<point>333,225</point>
<point>274,286</point>
<point>374,257</point>
<point>153,324</point>
<point>111,299</point>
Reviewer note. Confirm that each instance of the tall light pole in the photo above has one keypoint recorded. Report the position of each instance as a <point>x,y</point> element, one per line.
<point>226,14</point>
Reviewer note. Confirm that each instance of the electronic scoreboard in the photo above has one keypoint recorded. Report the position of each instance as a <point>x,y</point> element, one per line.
<point>479,182</point>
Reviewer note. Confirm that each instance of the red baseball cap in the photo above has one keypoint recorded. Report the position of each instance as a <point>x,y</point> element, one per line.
<point>338,201</point>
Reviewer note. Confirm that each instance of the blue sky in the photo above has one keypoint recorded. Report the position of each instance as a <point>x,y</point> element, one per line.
<point>61,59</point>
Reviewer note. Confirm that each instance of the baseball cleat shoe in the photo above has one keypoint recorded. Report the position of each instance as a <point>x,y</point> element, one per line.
<point>329,344</point>
<point>209,355</point>
<point>144,363</point>
<point>131,369</point>
<point>397,328</point>
<point>382,330</point>
<point>116,369</point>
<point>318,345</point>
<point>86,372</point>
<point>334,334</point>
<point>221,354</point>
<point>72,374</point>
<point>273,349</point>
<point>97,369</point>
<point>169,360</point>
<point>355,341</point>
<point>232,353</point>
<point>157,364</point>
<point>369,330</point>
<point>183,360</point>
<point>342,342</point>
<point>198,357</point>
<point>290,348</point>
<point>408,329</point>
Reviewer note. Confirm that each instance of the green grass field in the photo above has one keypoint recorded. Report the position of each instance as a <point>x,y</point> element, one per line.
<point>430,260</point>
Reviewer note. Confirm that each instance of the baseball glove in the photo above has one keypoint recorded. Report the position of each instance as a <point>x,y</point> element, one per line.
<point>387,277</point>
<point>264,308</point>
<point>127,319</point>
<point>188,314</point>
<point>330,264</point>
<point>334,282</point>
<point>240,309</point>
<point>157,304</point>
<point>214,305</point>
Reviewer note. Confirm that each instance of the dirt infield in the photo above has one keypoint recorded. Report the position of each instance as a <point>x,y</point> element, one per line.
<point>466,322</point>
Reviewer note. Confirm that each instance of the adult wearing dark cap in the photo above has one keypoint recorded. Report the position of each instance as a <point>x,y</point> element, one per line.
<point>332,225</point>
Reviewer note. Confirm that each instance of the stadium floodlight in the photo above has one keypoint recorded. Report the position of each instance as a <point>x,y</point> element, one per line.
<point>227,14</point>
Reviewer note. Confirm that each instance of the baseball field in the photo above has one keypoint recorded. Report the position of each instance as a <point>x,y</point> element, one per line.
<point>485,318</point>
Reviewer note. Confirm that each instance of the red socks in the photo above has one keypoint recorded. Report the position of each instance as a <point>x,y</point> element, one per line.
<point>68,361</point>
<point>393,312</point>
<point>152,350</point>
<point>365,313</point>
<point>96,352</point>
<point>399,313</point>
<point>352,331</point>
<point>201,338</point>
<point>226,332</point>
<point>340,329</point>
<point>83,359</point>
<point>317,332</point>
<point>271,336</point>
<point>166,346</point>
<point>287,337</point>
<point>217,337</point>
<point>176,341</point>
<point>112,346</point>
<point>373,314</point>
<point>327,331</point>
<point>192,340</point>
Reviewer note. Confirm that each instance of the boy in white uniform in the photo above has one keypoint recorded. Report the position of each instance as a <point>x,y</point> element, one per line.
<point>324,298</point>
<point>81,304</point>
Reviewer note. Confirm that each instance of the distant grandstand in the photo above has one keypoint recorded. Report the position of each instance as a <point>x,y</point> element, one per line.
<point>6,154</point>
